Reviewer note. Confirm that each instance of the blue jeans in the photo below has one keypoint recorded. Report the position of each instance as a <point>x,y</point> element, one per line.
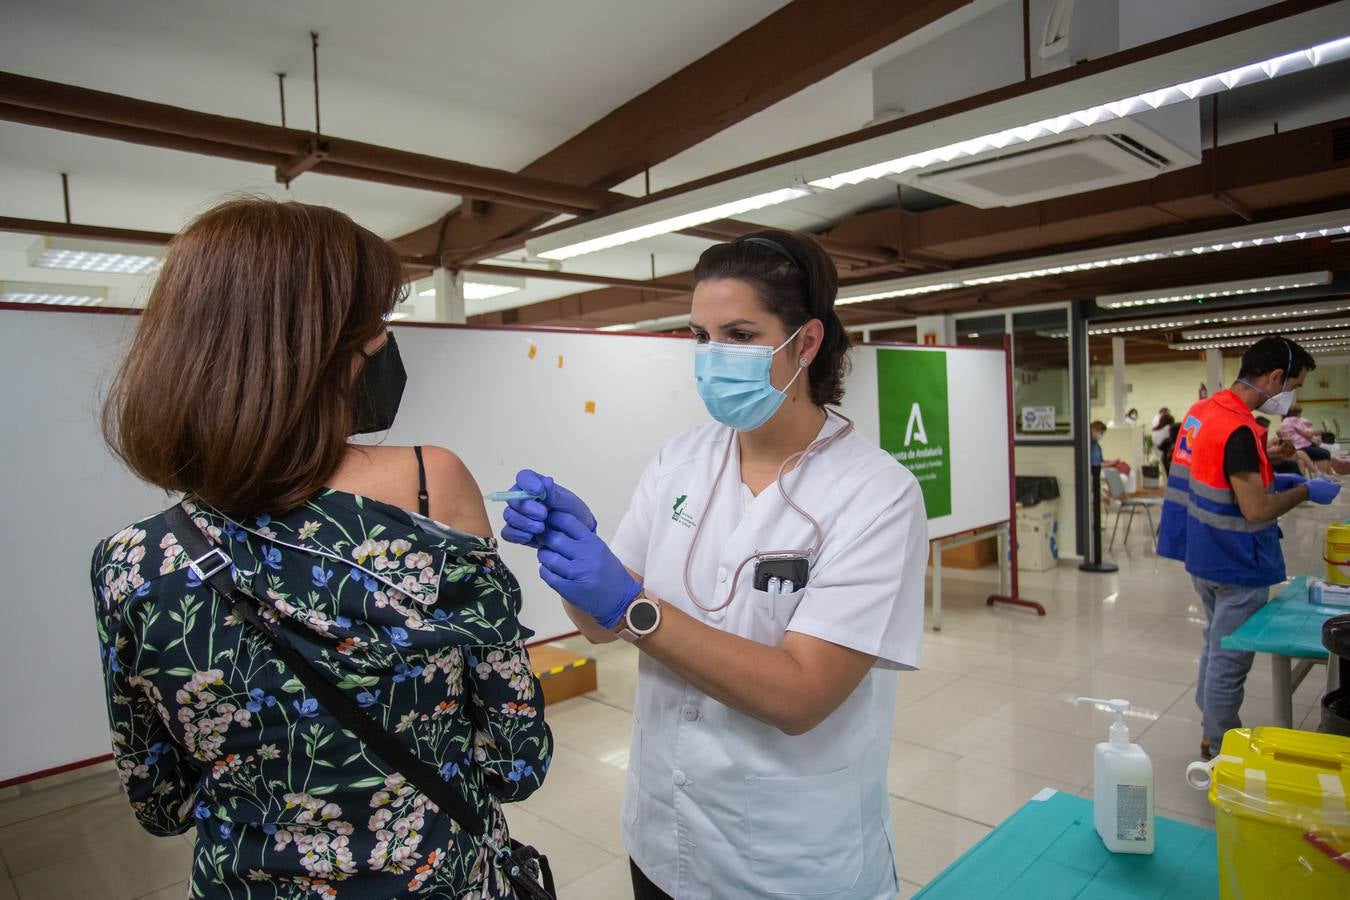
<point>1223,673</point>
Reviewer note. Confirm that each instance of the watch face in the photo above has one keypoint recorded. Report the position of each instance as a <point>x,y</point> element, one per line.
<point>642,616</point>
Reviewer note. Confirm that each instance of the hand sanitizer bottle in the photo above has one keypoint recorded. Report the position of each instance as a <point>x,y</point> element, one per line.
<point>1122,787</point>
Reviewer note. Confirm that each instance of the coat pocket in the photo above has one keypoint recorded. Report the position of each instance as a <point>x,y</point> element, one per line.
<point>804,833</point>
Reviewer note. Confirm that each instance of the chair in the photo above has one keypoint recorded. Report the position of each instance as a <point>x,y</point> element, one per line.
<point>1115,486</point>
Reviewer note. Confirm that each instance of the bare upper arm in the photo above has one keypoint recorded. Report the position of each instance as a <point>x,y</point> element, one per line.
<point>1251,495</point>
<point>454,495</point>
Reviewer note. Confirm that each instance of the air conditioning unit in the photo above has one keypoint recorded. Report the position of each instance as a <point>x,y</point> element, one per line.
<point>1117,152</point>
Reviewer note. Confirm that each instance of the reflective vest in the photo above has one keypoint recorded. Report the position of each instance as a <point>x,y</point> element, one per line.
<point>1202,524</point>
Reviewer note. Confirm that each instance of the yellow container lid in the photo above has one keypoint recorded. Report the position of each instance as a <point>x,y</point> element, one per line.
<point>1283,776</point>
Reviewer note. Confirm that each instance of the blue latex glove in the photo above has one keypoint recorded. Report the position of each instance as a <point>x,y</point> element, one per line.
<point>1323,490</point>
<point>525,519</point>
<point>576,563</point>
<point>1284,481</point>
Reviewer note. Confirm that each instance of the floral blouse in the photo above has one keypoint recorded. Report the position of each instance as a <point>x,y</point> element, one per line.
<point>210,731</point>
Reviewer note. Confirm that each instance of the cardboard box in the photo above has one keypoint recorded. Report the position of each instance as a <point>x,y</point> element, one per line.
<point>562,674</point>
<point>975,555</point>
<point>1037,538</point>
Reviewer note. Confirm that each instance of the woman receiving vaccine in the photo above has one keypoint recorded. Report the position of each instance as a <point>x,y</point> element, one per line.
<point>770,569</point>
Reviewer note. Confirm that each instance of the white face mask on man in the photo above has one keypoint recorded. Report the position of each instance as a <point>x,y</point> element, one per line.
<point>1276,404</point>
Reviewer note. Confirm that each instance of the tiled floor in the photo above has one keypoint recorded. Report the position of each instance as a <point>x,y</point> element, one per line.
<point>988,722</point>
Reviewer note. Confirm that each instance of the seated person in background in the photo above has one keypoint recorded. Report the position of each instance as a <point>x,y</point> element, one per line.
<point>262,349</point>
<point>1300,432</point>
<point>1165,439</point>
<point>1132,417</point>
<point>1283,457</point>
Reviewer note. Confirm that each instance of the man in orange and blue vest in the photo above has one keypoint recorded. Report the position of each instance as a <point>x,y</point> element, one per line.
<point>1219,516</point>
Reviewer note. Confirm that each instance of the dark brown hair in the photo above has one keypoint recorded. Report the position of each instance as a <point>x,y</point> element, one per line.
<point>796,281</point>
<point>238,385</point>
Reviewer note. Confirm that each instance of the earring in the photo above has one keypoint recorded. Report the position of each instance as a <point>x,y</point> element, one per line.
<point>802,362</point>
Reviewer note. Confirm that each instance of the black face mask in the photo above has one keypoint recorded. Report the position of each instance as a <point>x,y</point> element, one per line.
<point>378,389</point>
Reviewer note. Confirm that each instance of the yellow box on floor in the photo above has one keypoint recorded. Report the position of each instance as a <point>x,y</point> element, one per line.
<point>1281,814</point>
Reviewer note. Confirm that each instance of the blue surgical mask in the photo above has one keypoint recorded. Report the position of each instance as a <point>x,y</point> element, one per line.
<point>733,380</point>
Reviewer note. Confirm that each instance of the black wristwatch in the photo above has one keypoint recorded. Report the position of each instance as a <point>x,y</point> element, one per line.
<point>642,618</point>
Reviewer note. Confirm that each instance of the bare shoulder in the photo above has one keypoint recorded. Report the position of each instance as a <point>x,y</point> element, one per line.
<point>455,497</point>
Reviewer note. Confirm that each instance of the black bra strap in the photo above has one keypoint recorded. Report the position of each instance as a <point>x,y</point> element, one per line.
<point>423,501</point>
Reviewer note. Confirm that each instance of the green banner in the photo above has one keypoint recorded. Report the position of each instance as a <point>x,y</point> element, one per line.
<point>912,386</point>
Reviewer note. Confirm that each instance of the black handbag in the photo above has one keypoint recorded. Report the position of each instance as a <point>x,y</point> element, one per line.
<point>526,869</point>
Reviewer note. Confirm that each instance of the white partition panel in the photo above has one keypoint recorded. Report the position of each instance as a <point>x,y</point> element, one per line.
<point>63,493</point>
<point>589,409</point>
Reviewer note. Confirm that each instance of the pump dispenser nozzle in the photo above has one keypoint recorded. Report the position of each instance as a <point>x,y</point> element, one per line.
<point>1120,732</point>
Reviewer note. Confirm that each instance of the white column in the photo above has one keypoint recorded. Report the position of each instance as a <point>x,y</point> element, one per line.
<point>449,296</point>
<point>1214,370</point>
<point>1118,386</point>
<point>938,326</point>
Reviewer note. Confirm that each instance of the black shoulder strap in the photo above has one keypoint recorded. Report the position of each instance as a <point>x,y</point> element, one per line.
<point>212,565</point>
<point>423,501</point>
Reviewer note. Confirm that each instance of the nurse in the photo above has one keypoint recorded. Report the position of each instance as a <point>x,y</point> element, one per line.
<point>770,569</point>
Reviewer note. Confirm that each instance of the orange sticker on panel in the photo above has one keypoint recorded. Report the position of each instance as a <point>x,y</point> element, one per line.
<point>560,361</point>
<point>534,351</point>
<point>590,407</point>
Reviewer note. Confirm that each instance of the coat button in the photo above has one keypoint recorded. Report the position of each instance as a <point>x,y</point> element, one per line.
<point>679,778</point>
<point>722,574</point>
<point>690,713</point>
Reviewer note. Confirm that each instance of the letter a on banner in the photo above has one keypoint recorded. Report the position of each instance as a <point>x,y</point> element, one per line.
<point>913,434</point>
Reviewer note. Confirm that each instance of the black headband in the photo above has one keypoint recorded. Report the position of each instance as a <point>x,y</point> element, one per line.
<point>776,248</point>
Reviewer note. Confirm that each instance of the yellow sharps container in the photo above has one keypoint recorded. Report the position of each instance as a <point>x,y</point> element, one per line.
<point>1281,814</point>
<point>1338,553</point>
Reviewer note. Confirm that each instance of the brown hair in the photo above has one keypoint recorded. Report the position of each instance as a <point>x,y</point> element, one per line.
<point>795,279</point>
<point>238,386</point>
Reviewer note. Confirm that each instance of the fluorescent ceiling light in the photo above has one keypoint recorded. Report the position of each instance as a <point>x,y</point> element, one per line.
<point>665,323</point>
<point>1286,328</point>
<point>1249,314</point>
<point>478,286</point>
<point>1170,77</point>
<point>610,231</point>
<point>476,290</point>
<point>866,292</point>
<point>1322,343</point>
<point>51,294</point>
<point>1092,115</point>
<point>94,256</point>
<point>1195,292</point>
<point>1241,237</point>
<point>1217,316</point>
<point>881,326</point>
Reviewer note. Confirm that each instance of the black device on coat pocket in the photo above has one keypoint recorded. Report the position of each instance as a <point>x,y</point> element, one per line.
<point>795,569</point>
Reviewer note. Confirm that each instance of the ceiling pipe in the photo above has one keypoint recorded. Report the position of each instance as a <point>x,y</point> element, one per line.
<point>283,143</point>
<point>94,232</point>
<point>47,104</point>
<point>144,137</point>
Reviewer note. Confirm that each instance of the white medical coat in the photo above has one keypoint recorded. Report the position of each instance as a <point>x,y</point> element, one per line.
<point>719,804</point>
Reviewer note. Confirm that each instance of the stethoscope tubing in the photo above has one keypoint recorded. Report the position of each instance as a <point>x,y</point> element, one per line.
<point>801,457</point>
